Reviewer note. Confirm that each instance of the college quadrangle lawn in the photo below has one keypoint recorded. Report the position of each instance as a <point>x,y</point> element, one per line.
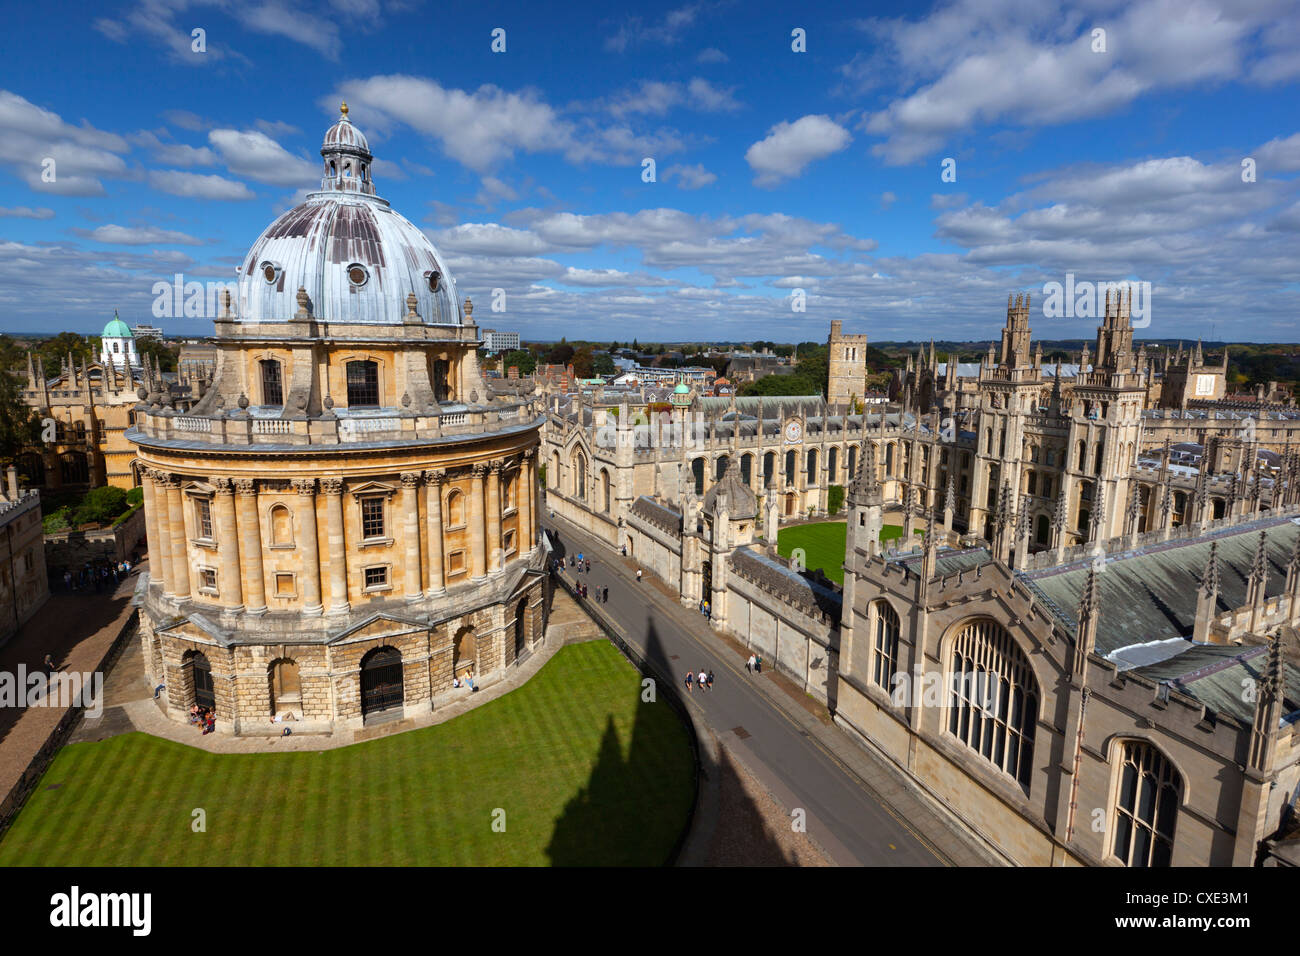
<point>584,771</point>
<point>823,544</point>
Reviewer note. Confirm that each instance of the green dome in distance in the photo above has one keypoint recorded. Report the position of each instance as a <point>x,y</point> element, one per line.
<point>116,328</point>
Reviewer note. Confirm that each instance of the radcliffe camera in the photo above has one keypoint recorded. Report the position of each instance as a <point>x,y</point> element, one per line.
<point>732,436</point>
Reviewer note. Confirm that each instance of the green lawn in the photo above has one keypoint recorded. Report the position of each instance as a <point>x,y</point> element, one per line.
<point>823,544</point>
<point>585,772</point>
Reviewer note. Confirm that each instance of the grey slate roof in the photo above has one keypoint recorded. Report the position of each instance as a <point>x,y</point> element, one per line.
<point>1218,675</point>
<point>1150,595</point>
<point>801,590</point>
<point>661,516</point>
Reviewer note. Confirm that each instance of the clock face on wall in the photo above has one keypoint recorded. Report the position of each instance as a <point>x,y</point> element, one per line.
<point>793,432</point>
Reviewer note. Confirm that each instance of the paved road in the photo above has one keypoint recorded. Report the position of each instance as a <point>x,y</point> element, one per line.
<point>842,815</point>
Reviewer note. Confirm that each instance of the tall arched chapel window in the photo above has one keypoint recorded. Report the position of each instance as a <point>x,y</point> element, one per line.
<point>1145,806</point>
<point>993,700</point>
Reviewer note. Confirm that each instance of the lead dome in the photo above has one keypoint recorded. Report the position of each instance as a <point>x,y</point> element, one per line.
<point>356,258</point>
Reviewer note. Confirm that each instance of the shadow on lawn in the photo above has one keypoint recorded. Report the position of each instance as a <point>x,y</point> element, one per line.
<point>600,826</point>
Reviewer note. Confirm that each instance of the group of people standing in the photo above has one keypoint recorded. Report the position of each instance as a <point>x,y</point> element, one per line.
<point>204,717</point>
<point>97,576</point>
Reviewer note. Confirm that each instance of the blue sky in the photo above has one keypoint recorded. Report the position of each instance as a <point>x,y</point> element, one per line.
<point>775,170</point>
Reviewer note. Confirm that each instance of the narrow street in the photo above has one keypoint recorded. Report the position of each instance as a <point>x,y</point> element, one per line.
<point>788,749</point>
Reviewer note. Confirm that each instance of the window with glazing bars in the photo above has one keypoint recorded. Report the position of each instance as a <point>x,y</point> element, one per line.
<point>993,700</point>
<point>372,517</point>
<point>272,388</point>
<point>203,511</point>
<point>363,383</point>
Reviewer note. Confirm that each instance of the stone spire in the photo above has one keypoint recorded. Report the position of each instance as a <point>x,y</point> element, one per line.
<point>1207,596</point>
<point>1257,582</point>
<point>1085,638</point>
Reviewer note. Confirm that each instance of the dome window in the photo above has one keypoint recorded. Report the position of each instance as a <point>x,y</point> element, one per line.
<point>357,274</point>
<point>270,271</point>
<point>435,280</point>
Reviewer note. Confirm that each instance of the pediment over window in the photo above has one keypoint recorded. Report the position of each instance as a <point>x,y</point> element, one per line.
<point>372,488</point>
<point>199,488</point>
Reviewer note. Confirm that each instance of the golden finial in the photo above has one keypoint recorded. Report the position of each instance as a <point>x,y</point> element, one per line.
<point>343,108</point>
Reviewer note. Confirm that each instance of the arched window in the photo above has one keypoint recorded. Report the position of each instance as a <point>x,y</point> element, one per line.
<point>605,497</point>
<point>885,659</point>
<point>1044,530</point>
<point>832,463</point>
<point>889,458</point>
<point>1101,450</point>
<point>281,526</point>
<point>853,461</point>
<point>272,385</point>
<point>720,467</point>
<point>789,467</point>
<point>1147,794</point>
<point>769,468</point>
<point>697,472</point>
<point>363,384</point>
<point>1082,462</point>
<point>747,469</point>
<point>810,466</point>
<point>454,510</point>
<point>580,476</point>
<point>381,681</point>
<point>993,700</point>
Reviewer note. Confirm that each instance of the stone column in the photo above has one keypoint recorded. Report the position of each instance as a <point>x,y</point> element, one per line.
<point>433,492</point>
<point>179,572</point>
<point>494,517</point>
<point>159,558</point>
<point>526,482</point>
<point>227,535</point>
<point>251,546</point>
<point>308,547</point>
<point>411,534</point>
<point>477,519</point>
<point>334,545</point>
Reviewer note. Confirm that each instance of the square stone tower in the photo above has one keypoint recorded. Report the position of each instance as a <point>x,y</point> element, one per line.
<point>848,366</point>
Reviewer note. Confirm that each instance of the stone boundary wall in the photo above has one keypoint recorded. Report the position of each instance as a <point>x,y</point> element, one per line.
<point>17,796</point>
<point>72,549</point>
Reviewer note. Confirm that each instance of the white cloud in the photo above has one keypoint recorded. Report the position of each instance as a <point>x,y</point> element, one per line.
<point>196,186</point>
<point>255,155</point>
<point>31,136</point>
<point>790,147</point>
<point>26,212</point>
<point>138,236</point>
<point>690,177</point>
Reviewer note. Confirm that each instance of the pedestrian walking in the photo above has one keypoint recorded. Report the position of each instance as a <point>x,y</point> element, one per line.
<point>624,550</point>
<point>49,665</point>
<point>709,680</point>
<point>700,677</point>
<point>690,682</point>
<point>749,663</point>
<point>638,575</point>
<point>606,599</point>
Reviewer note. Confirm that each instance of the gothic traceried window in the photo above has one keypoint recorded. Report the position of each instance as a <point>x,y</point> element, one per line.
<point>885,660</point>
<point>993,699</point>
<point>1145,806</point>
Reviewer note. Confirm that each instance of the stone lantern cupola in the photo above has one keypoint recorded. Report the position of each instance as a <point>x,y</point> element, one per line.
<point>347,157</point>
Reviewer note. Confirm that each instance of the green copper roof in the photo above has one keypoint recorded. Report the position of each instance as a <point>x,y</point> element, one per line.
<point>117,328</point>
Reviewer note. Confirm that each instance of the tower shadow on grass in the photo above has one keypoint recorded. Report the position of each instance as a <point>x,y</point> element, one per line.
<point>631,814</point>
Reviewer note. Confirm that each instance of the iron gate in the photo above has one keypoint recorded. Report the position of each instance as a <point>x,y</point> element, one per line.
<point>381,681</point>
<point>204,695</point>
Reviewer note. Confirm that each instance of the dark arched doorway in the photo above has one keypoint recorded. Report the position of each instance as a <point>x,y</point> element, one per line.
<point>521,641</point>
<point>381,681</point>
<point>204,693</point>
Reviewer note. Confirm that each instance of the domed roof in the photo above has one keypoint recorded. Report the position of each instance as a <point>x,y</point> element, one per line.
<point>116,328</point>
<point>682,389</point>
<point>344,135</point>
<point>356,258</point>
